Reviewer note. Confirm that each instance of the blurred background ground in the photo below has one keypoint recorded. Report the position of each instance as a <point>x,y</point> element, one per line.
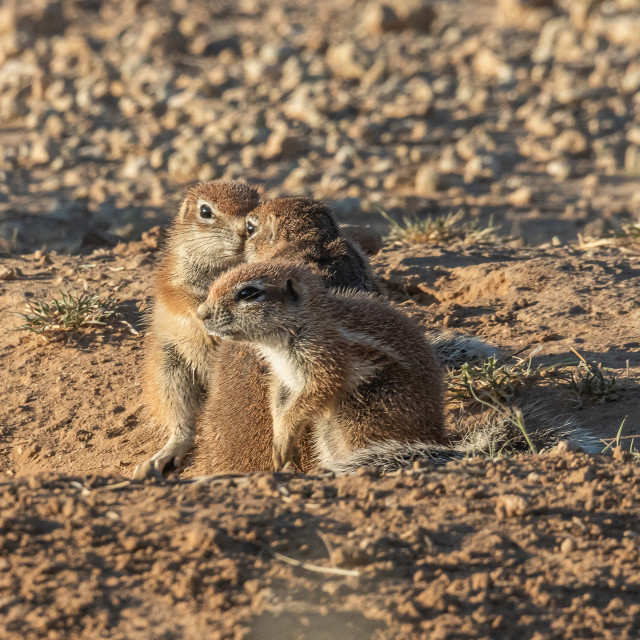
<point>523,112</point>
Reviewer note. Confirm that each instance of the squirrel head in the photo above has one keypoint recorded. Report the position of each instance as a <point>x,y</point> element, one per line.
<point>284,227</point>
<point>210,226</point>
<point>259,302</point>
<point>209,203</point>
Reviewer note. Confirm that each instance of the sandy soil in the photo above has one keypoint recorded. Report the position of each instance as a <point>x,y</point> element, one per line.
<point>433,556</point>
<point>538,547</point>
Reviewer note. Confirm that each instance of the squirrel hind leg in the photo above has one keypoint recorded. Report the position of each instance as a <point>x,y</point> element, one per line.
<point>174,393</point>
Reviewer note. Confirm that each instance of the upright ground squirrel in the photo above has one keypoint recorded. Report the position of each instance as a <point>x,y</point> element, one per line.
<point>206,238</point>
<point>235,427</point>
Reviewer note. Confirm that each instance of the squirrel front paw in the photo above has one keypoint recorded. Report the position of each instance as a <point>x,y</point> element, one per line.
<point>170,456</point>
<point>284,452</point>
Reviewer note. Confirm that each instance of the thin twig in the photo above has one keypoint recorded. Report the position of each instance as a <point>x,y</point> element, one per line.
<point>216,476</point>
<point>315,567</point>
<point>115,487</point>
<point>517,353</point>
<point>328,545</point>
<point>579,356</point>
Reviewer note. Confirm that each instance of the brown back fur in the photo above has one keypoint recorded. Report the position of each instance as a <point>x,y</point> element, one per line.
<point>304,230</point>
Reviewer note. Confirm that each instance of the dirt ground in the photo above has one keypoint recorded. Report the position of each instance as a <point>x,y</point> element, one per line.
<point>523,115</point>
<point>434,551</point>
<point>77,404</point>
<point>538,547</point>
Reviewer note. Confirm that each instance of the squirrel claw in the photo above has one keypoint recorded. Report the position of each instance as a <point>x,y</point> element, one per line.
<point>284,455</point>
<point>157,466</point>
<point>146,471</point>
<point>280,456</point>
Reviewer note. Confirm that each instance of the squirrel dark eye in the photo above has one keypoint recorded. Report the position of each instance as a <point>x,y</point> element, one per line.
<point>205,211</point>
<point>249,293</point>
<point>250,227</point>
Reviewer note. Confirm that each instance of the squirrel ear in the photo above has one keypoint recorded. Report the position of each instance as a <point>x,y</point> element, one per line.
<point>183,209</point>
<point>272,229</point>
<point>292,290</point>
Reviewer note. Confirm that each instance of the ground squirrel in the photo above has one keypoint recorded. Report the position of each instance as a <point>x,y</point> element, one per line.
<point>347,366</point>
<point>237,407</point>
<point>304,230</point>
<point>206,238</point>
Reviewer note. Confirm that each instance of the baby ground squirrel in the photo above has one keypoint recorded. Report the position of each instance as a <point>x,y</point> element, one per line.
<point>237,406</point>
<point>347,366</point>
<point>206,238</point>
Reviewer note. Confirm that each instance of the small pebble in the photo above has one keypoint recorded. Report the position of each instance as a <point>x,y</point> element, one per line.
<point>568,545</point>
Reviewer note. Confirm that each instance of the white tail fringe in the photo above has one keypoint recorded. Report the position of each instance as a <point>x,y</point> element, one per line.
<point>454,349</point>
<point>494,435</point>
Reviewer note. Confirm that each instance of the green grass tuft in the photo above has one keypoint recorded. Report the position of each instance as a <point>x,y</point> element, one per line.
<point>493,385</point>
<point>489,381</point>
<point>440,230</point>
<point>587,380</point>
<point>616,443</point>
<point>71,312</point>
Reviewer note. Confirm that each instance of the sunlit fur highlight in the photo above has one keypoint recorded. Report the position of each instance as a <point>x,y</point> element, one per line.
<point>177,349</point>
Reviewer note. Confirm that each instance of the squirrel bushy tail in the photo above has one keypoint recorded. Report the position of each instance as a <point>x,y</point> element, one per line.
<point>454,348</point>
<point>492,435</point>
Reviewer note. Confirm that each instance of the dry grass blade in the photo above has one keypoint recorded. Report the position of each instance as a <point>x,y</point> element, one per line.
<point>327,543</point>
<point>315,567</point>
<point>626,239</point>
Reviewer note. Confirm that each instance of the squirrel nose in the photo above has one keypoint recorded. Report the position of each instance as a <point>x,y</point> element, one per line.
<point>203,311</point>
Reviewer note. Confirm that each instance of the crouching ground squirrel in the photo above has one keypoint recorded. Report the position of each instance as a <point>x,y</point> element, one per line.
<point>206,238</point>
<point>347,367</point>
<point>235,428</point>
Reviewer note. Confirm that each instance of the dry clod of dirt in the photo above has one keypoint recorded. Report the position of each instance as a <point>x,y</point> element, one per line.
<point>7,274</point>
<point>509,505</point>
